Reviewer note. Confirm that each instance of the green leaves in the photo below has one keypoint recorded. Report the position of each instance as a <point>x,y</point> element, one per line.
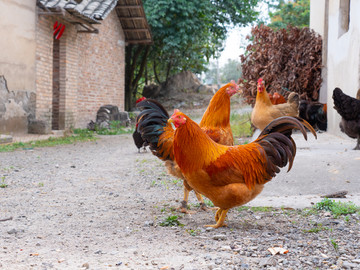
<point>188,33</point>
<point>295,13</point>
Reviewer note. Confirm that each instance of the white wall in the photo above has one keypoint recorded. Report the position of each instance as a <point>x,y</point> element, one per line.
<point>17,44</point>
<point>343,58</point>
<point>317,16</point>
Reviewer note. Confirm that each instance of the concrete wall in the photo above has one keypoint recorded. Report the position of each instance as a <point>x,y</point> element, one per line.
<point>343,58</point>
<point>317,16</point>
<point>319,23</point>
<point>17,64</point>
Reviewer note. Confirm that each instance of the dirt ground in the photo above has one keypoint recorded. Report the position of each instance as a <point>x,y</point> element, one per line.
<point>100,205</point>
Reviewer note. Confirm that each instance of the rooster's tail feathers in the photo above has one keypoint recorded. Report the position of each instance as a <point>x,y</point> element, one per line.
<point>278,144</point>
<point>154,128</point>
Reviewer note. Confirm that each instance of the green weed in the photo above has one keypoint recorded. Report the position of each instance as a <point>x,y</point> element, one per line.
<point>171,221</point>
<point>337,208</point>
<point>334,244</point>
<point>317,228</point>
<point>3,183</point>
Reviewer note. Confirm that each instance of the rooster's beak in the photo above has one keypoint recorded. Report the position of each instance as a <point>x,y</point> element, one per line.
<point>170,121</point>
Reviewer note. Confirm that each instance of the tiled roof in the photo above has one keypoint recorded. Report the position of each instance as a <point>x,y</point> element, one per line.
<point>89,10</point>
<point>133,21</point>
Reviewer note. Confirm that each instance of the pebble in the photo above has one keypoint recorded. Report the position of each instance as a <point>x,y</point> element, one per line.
<point>219,237</point>
<point>349,265</point>
<point>12,231</point>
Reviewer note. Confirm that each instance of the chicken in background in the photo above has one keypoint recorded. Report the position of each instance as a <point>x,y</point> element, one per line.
<point>230,176</point>
<point>138,140</point>
<point>215,123</point>
<point>277,98</point>
<point>264,111</point>
<point>315,113</point>
<point>349,109</point>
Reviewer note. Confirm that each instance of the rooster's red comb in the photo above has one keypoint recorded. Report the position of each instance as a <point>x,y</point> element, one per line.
<point>260,81</point>
<point>140,99</point>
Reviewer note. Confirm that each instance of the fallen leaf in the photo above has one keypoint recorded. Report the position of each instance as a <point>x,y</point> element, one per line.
<point>277,250</point>
<point>34,254</point>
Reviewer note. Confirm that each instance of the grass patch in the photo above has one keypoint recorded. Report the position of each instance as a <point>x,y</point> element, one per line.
<point>317,228</point>
<point>337,208</point>
<point>114,129</point>
<point>49,142</point>
<point>241,125</point>
<point>255,208</point>
<point>171,221</point>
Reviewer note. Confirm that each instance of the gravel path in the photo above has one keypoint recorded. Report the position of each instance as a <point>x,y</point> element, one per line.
<point>99,205</point>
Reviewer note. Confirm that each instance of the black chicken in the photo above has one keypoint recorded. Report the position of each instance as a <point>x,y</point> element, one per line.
<point>314,113</point>
<point>138,140</point>
<point>349,109</point>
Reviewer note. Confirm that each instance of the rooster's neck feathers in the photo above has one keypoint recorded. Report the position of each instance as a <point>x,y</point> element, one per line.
<point>193,149</point>
<point>217,113</point>
<point>263,97</point>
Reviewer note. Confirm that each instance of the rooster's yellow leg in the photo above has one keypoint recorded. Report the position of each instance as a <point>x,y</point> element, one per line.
<point>202,203</point>
<point>201,200</point>
<point>221,219</point>
<point>218,214</point>
<point>183,206</point>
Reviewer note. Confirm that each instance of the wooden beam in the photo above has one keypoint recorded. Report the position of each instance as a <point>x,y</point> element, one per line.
<point>136,30</point>
<point>127,7</point>
<point>137,41</point>
<point>131,18</point>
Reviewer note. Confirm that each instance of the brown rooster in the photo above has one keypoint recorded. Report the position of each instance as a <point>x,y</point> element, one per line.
<point>277,98</point>
<point>215,122</point>
<point>231,176</point>
<point>264,111</point>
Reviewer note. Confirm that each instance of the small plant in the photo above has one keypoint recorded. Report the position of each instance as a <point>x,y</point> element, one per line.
<point>334,244</point>
<point>193,232</point>
<point>171,221</point>
<point>325,204</point>
<point>337,208</point>
<point>3,184</point>
<point>41,184</point>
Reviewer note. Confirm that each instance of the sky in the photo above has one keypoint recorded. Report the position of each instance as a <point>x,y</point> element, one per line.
<point>236,41</point>
<point>235,44</point>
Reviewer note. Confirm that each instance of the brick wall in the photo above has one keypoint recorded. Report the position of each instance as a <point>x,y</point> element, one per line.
<point>92,70</point>
<point>102,69</point>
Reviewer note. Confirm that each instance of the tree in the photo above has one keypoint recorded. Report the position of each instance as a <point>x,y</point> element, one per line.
<point>186,34</point>
<point>294,12</point>
<point>288,60</point>
<point>230,71</point>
